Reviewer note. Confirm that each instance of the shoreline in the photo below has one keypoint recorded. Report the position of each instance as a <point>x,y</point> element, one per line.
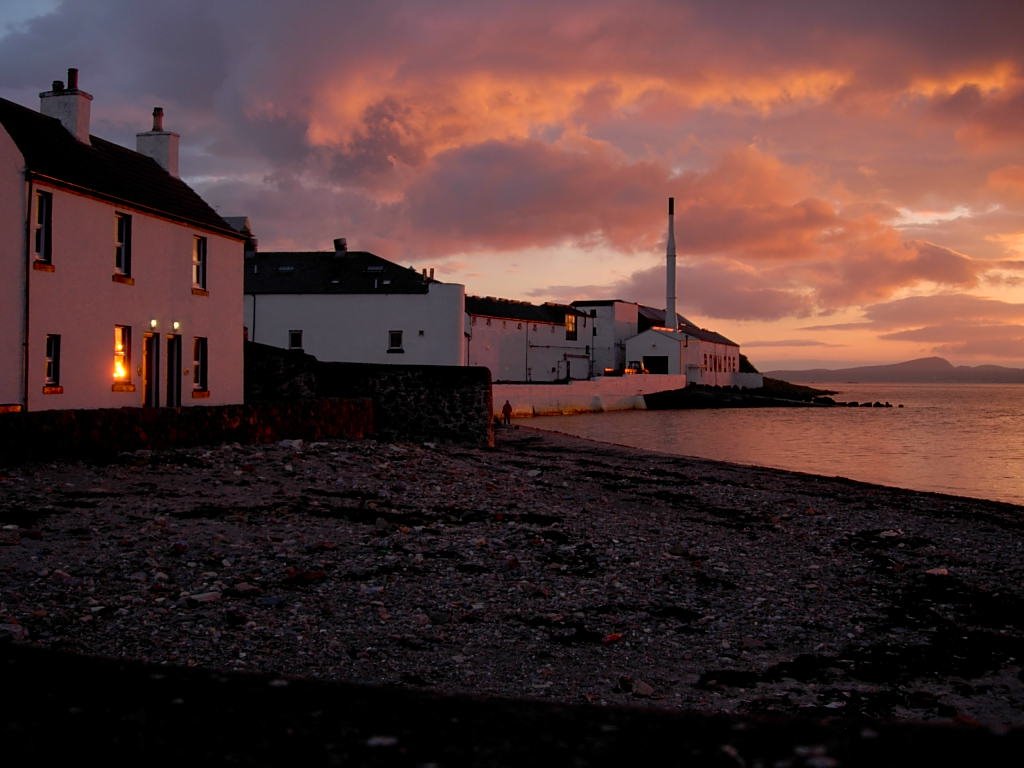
<point>550,568</point>
<point>765,467</point>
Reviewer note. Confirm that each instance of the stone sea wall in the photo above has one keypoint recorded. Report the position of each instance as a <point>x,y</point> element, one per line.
<point>105,432</point>
<point>411,402</point>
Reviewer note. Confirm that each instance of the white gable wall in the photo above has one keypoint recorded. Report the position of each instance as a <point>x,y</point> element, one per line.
<point>612,325</point>
<point>652,343</point>
<point>12,260</point>
<point>80,301</point>
<point>522,350</point>
<point>356,327</point>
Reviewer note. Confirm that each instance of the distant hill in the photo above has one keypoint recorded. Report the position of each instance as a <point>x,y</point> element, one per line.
<point>925,369</point>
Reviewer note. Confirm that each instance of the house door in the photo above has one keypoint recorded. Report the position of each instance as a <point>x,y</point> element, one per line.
<point>173,371</point>
<point>151,370</point>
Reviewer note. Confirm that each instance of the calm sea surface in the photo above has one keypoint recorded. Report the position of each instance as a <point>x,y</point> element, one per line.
<point>964,439</point>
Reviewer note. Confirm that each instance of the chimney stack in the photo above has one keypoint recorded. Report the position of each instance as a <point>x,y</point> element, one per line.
<point>670,269</point>
<point>158,144</point>
<point>340,245</point>
<point>69,105</point>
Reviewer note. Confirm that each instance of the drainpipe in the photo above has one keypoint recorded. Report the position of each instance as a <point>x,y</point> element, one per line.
<point>28,275</point>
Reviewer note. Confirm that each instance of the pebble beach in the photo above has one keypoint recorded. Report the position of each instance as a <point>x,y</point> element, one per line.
<point>547,568</point>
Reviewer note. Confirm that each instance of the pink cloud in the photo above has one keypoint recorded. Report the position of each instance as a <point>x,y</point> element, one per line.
<point>806,146</point>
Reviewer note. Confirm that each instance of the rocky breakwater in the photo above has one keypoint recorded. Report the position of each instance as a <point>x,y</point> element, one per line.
<point>548,568</point>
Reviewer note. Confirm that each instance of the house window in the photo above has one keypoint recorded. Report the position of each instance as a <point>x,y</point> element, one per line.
<point>199,263</point>
<point>199,364</point>
<point>123,244</point>
<point>43,243</point>
<point>295,339</point>
<point>395,341</point>
<point>51,378</point>
<point>570,327</point>
<point>122,353</point>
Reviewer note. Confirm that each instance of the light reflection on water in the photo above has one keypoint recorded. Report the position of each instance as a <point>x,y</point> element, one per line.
<point>964,439</point>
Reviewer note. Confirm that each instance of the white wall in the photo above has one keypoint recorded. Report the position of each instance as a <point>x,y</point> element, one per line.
<point>80,301</point>
<point>653,343</point>
<point>520,350</point>
<point>12,262</point>
<point>615,323</point>
<point>355,327</point>
<point>712,363</point>
<point>611,393</point>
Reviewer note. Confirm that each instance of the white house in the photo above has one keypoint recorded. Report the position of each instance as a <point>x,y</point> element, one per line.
<point>124,287</point>
<point>523,342</point>
<point>352,306</point>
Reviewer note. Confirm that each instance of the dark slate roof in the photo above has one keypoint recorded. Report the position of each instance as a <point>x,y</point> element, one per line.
<point>106,170</point>
<point>329,272</point>
<point>651,317</point>
<point>599,302</point>
<point>488,306</point>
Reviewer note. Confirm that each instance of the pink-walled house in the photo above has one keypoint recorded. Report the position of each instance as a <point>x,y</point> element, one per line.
<point>124,287</point>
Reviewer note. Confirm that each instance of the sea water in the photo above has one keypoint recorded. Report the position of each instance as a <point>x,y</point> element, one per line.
<point>963,439</point>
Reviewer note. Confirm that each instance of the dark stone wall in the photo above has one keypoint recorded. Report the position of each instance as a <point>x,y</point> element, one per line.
<point>413,402</point>
<point>105,432</point>
<point>288,395</point>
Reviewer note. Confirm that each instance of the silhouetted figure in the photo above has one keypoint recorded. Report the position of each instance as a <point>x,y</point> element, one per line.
<point>506,413</point>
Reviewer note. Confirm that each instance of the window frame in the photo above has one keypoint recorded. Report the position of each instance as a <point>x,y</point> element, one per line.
<point>122,244</point>
<point>200,364</point>
<point>51,357</point>
<point>393,347</point>
<point>293,334</point>
<point>200,255</point>
<point>123,356</point>
<point>571,332</point>
<point>42,228</point>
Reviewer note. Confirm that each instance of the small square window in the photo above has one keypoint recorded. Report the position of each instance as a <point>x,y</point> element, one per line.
<point>395,341</point>
<point>295,339</point>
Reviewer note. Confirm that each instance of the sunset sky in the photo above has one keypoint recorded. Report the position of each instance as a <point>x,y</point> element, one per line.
<point>849,177</point>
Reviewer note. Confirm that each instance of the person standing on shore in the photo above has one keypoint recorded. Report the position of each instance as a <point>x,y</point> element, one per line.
<point>506,413</point>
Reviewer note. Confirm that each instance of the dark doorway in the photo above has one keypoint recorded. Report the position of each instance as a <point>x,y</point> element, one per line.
<point>656,363</point>
<point>151,369</point>
<point>173,371</point>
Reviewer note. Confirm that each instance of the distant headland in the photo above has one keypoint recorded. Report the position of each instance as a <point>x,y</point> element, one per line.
<point>922,370</point>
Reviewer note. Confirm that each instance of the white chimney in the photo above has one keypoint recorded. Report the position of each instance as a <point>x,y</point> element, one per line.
<point>159,144</point>
<point>69,105</point>
<point>670,269</point>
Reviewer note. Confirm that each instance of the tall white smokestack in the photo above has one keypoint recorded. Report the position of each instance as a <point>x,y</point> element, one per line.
<point>670,268</point>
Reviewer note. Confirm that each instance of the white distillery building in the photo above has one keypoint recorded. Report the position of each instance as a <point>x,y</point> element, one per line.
<point>352,306</point>
<point>612,321</point>
<point>523,342</point>
<point>705,357</point>
<point>124,287</point>
<point>630,337</point>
